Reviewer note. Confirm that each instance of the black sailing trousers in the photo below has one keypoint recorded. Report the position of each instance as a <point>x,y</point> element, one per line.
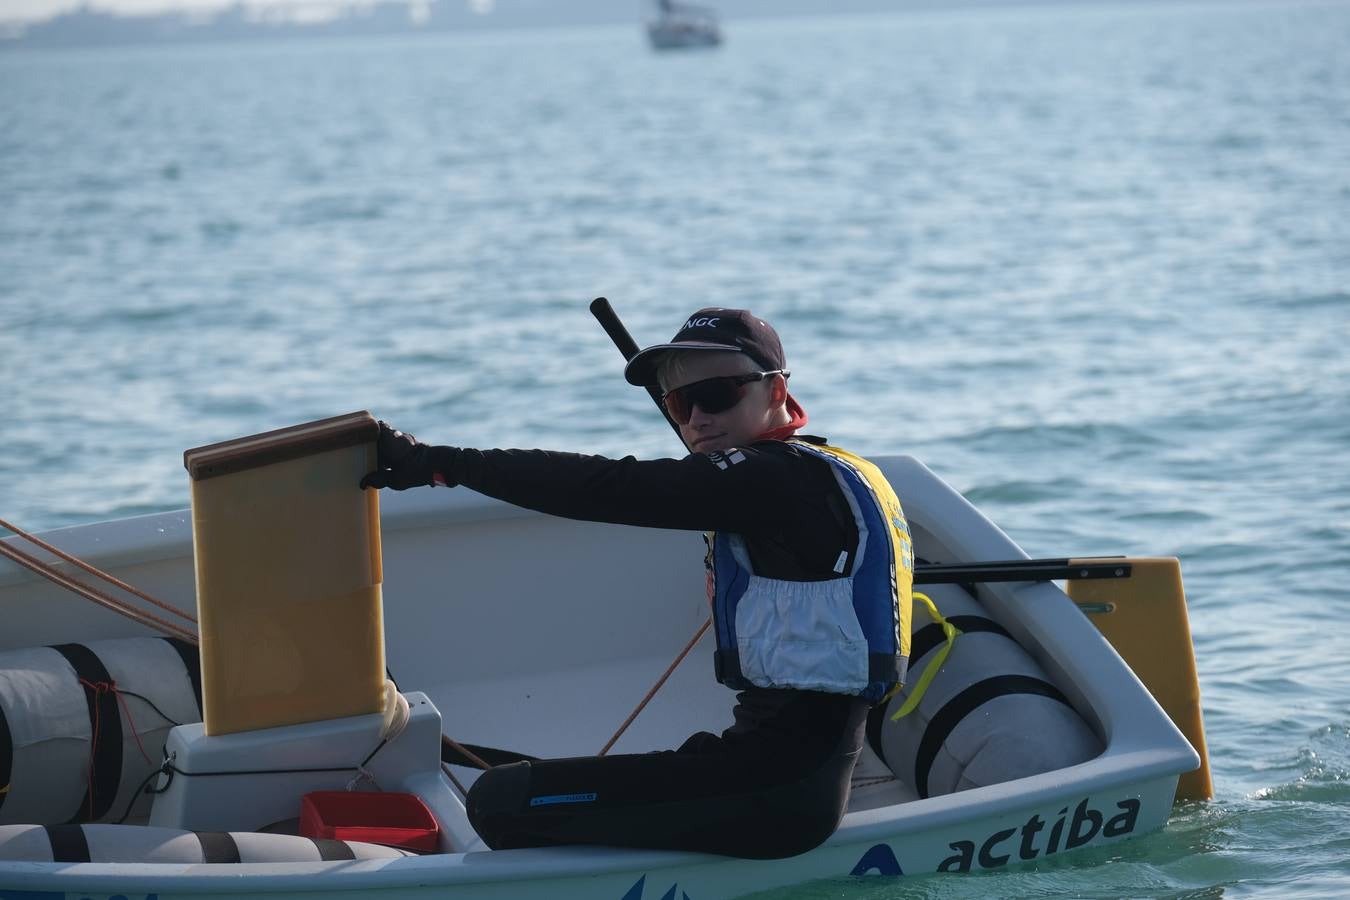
<point>776,789</point>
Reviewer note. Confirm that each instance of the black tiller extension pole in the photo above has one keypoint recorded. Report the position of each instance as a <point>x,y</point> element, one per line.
<point>609,320</point>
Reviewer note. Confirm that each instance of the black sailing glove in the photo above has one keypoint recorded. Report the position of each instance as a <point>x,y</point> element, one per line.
<point>403,462</point>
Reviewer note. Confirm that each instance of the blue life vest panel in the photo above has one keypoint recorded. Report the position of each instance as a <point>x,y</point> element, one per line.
<point>845,635</point>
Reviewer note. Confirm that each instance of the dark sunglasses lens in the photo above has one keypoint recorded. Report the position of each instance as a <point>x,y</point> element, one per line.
<point>717,395</point>
<point>677,407</point>
<point>714,395</point>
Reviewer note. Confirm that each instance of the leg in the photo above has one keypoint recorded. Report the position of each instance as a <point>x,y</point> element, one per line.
<point>760,798</point>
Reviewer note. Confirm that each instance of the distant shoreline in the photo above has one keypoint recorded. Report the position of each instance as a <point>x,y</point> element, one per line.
<point>92,28</point>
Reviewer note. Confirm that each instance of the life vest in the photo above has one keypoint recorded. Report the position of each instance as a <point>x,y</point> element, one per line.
<point>844,635</point>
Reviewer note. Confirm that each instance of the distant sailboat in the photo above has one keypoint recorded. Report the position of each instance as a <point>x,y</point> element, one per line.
<point>682,25</point>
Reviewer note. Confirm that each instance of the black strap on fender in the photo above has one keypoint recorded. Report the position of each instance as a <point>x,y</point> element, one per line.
<point>6,757</point>
<point>192,661</point>
<point>68,843</point>
<point>333,851</point>
<point>924,640</point>
<point>962,705</point>
<point>217,847</point>
<point>105,725</point>
<point>929,636</point>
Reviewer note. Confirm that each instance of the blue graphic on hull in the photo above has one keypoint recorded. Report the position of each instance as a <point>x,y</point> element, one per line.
<point>879,859</point>
<point>635,892</point>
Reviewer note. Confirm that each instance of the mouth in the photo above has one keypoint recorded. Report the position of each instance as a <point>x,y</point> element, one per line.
<point>700,441</point>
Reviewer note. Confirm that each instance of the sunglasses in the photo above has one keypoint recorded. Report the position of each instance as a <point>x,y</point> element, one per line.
<point>712,395</point>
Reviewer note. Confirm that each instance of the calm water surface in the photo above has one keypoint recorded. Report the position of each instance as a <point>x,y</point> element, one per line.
<point>1091,264</point>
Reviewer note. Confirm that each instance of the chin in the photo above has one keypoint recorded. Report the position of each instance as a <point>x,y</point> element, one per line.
<point>711,445</point>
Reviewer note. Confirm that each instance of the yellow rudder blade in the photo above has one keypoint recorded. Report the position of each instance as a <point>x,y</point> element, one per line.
<point>1144,619</point>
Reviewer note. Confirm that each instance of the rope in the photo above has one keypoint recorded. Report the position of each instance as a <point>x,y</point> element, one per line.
<point>465,751</point>
<point>707,623</point>
<point>131,723</point>
<point>143,788</point>
<point>108,687</point>
<point>95,595</point>
<point>445,767</point>
<point>99,573</point>
<point>98,688</point>
<point>124,693</point>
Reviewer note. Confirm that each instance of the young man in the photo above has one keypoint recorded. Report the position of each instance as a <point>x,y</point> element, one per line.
<point>809,572</point>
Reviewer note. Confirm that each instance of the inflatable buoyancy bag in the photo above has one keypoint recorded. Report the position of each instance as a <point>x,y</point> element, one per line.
<point>989,715</point>
<point>82,726</point>
<point>138,843</point>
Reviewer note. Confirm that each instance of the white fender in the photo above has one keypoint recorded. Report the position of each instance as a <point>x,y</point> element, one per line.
<point>146,844</point>
<point>46,726</point>
<point>990,715</point>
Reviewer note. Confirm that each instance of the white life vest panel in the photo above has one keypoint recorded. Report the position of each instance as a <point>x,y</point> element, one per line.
<point>989,715</point>
<point>83,725</point>
<point>844,635</point>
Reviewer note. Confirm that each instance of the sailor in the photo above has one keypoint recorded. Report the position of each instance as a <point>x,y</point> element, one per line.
<point>809,570</point>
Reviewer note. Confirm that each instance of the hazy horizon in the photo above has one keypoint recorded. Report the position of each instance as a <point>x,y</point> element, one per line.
<point>28,12</point>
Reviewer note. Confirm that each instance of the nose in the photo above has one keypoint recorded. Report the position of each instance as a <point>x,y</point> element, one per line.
<point>697,416</point>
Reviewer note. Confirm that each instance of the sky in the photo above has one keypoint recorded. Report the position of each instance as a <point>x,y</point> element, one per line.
<point>43,9</point>
<point>34,10</point>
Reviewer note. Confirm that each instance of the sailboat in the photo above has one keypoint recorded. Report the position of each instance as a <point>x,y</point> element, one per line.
<point>362,664</point>
<point>683,25</point>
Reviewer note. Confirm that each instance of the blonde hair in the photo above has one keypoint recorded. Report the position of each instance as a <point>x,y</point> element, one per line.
<point>672,366</point>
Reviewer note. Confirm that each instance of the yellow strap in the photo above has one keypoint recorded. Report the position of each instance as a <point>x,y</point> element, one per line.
<point>4,790</point>
<point>930,671</point>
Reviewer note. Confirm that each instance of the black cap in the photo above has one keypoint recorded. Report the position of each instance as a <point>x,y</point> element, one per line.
<point>713,329</point>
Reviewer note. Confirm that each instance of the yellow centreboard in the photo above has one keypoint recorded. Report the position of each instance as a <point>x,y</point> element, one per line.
<point>287,553</point>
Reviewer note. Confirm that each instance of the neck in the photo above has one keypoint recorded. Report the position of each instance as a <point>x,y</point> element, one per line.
<point>789,417</point>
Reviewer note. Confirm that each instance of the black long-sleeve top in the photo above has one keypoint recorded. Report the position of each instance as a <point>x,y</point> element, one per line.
<point>784,502</point>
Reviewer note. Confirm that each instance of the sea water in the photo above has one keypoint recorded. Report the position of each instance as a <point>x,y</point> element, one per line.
<point>1090,263</point>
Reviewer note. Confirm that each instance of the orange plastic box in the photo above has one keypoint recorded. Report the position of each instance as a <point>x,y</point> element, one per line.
<point>397,820</point>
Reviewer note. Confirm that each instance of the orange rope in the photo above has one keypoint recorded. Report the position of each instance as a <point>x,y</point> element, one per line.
<point>104,687</point>
<point>656,687</point>
<point>465,751</point>
<point>56,551</point>
<point>131,723</point>
<point>445,767</point>
<point>93,738</point>
<point>95,595</point>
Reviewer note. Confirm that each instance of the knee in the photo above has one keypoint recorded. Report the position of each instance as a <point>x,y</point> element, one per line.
<point>794,833</point>
<point>495,799</point>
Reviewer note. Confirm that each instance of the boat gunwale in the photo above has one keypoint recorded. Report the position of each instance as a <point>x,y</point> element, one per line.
<point>995,803</point>
<point>156,537</point>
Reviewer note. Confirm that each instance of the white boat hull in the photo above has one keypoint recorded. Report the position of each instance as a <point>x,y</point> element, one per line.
<point>540,635</point>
